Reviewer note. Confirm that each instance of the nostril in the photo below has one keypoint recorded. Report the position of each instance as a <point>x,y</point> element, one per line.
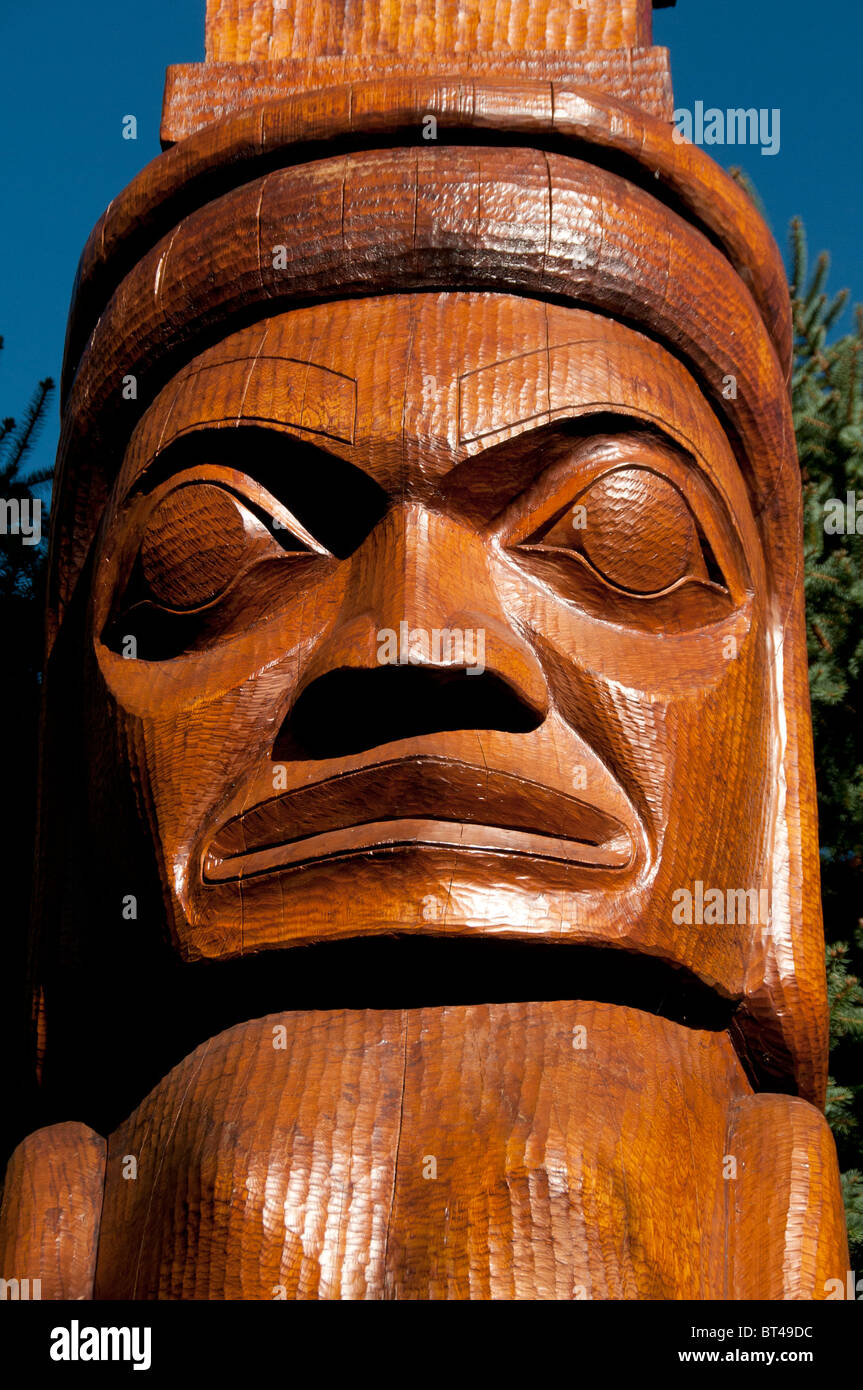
<point>349,711</point>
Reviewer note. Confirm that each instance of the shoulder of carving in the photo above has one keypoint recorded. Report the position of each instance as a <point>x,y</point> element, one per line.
<point>786,1222</point>
<point>51,1211</point>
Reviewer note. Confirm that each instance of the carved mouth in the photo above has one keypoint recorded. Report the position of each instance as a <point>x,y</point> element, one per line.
<point>414,802</point>
<point>427,802</point>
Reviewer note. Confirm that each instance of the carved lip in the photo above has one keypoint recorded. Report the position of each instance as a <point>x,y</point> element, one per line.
<point>420,801</point>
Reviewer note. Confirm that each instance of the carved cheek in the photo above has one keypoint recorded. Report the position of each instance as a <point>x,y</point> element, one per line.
<point>266,656</point>
<point>655,706</point>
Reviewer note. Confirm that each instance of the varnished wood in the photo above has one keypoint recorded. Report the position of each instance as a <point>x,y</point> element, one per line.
<point>255,52</point>
<point>243,31</point>
<point>558,1171</point>
<point>197,94</point>
<point>425,618</point>
<point>51,1212</point>
<point>234,150</point>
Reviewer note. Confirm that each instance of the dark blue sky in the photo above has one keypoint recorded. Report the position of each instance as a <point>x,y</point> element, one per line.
<point>72,72</point>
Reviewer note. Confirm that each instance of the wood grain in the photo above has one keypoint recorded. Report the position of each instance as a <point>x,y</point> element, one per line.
<point>577,1151</point>
<point>52,1209</point>
<point>197,94</point>
<point>243,31</point>
<point>257,51</point>
<point>535,115</point>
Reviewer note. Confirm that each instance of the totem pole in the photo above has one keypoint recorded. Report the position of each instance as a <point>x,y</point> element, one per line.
<point>428,871</point>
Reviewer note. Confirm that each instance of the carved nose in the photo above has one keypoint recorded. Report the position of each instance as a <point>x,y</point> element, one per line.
<point>421,645</point>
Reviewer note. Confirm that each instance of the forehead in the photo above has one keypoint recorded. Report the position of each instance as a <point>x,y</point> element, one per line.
<point>426,380</point>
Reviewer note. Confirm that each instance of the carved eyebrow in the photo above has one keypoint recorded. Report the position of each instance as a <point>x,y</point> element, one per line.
<point>479,407</point>
<point>313,398</point>
<point>564,380</point>
<point>333,499</point>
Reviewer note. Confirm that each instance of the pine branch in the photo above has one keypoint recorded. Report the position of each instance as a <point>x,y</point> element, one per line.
<point>39,476</point>
<point>29,429</point>
<point>798,255</point>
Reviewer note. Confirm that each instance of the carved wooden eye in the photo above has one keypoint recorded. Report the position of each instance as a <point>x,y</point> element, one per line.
<point>635,528</point>
<point>194,543</point>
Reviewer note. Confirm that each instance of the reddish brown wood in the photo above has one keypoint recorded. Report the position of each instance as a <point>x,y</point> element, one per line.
<point>426,592</point>
<point>242,31</point>
<point>561,1172</point>
<point>51,1211</point>
<point>197,94</point>
<point>256,52</point>
<point>306,125</point>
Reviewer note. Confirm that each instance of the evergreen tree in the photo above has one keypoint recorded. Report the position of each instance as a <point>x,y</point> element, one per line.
<point>21,588</point>
<point>21,565</point>
<point>827,404</point>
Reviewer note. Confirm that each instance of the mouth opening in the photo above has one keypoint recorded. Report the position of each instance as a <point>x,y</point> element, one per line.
<point>414,971</point>
<point>405,972</point>
<point>425,971</point>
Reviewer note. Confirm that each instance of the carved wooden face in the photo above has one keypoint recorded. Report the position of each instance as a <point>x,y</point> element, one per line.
<point>441,613</point>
